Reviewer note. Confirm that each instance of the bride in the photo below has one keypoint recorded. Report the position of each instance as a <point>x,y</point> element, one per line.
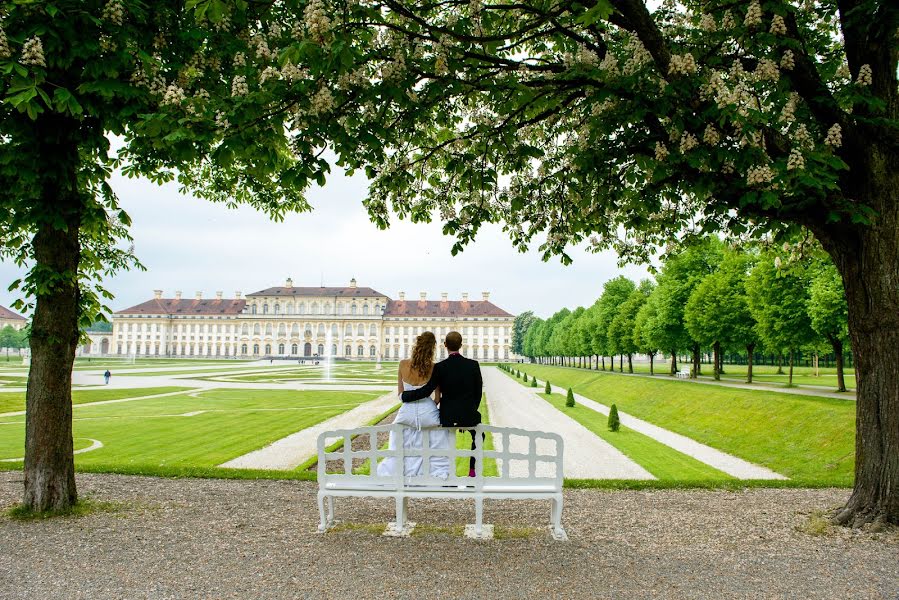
<point>413,374</point>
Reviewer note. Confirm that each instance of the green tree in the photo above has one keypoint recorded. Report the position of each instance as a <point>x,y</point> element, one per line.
<point>650,121</point>
<point>827,311</point>
<point>548,389</point>
<point>520,327</point>
<point>531,347</point>
<point>644,323</point>
<point>614,293</point>
<point>614,421</point>
<point>583,335</point>
<point>11,339</point>
<point>621,329</point>
<point>717,311</point>
<point>777,294</point>
<point>195,90</point>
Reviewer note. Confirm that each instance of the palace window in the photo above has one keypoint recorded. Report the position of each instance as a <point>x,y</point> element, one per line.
<point>365,309</point>
<point>372,351</point>
<point>294,349</point>
<point>290,308</point>
<point>334,330</point>
<point>280,348</point>
<point>360,330</point>
<point>255,348</point>
<point>282,329</point>
<point>333,349</point>
<point>243,349</point>
<point>373,330</point>
<point>268,329</point>
<point>301,308</point>
<point>307,330</point>
<point>321,350</point>
<point>327,309</point>
<point>348,330</point>
<point>315,308</point>
<point>257,329</point>
<point>321,329</point>
<point>353,309</point>
<point>268,348</point>
<point>277,308</point>
<point>360,351</point>
<point>347,351</point>
<point>253,309</point>
<point>377,309</point>
<point>295,330</point>
<point>265,308</point>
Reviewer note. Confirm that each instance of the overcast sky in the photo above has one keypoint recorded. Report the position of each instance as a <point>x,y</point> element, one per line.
<point>192,245</point>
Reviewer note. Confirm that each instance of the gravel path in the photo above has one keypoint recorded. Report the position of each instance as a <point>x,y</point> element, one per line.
<point>292,451</point>
<point>187,538</point>
<point>586,455</point>
<point>730,464</point>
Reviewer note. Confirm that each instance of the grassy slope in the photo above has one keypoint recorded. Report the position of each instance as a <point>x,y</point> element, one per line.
<point>146,435</point>
<point>15,401</point>
<point>805,438</point>
<point>663,462</point>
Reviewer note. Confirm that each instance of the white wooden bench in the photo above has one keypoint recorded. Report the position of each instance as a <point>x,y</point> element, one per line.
<point>529,464</point>
<point>683,374</point>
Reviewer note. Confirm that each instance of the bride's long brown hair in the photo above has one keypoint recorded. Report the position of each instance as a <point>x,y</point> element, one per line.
<point>423,354</point>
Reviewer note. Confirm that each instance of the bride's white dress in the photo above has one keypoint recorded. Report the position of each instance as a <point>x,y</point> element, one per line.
<point>415,415</point>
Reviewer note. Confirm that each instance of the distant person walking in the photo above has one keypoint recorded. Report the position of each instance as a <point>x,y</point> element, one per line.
<point>106,376</point>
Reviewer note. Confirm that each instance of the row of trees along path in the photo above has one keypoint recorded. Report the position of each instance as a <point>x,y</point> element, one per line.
<point>708,296</point>
<point>610,120</point>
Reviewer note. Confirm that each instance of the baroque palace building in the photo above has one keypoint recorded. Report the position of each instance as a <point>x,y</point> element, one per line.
<point>353,322</point>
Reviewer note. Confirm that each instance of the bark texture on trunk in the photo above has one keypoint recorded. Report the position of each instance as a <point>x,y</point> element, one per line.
<point>673,363</point>
<point>749,350</point>
<point>716,371</point>
<point>696,361</point>
<point>49,473</point>
<point>652,356</point>
<point>837,344</point>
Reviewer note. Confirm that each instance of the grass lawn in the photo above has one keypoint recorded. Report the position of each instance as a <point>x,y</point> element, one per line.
<point>186,433</point>
<point>805,438</point>
<point>15,401</point>
<point>663,462</point>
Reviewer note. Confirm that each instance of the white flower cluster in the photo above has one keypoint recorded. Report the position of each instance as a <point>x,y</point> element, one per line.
<point>707,22</point>
<point>682,64</point>
<point>174,96</point>
<point>269,72</point>
<point>239,86</point>
<point>795,161</point>
<point>290,72</point>
<point>788,114</point>
<point>475,6</point>
<point>114,12</point>
<point>107,44</point>
<point>603,107</point>
<point>586,57</point>
<point>661,152</point>
<point>802,137</point>
<point>753,14</point>
<point>727,21</point>
<point>637,54</point>
<point>356,78</point>
<point>221,121</point>
<point>711,135</point>
<point>767,70</point>
<point>5,51</point>
<point>843,71</point>
<point>778,25</point>
<point>777,262</point>
<point>834,136</point>
<point>788,61</point>
<point>609,63</point>
<point>440,55</point>
<point>728,167</point>
<point>865,76</point>
<point>262,49</point>
<point>223,24</point>
<point>395,69</point>
<point>759,175</point>
<point>447,211</point>
<point>688,141</point>
<point>240,60</point>
<point>317,21</point>
<point>33,52</point>
<point>322,102</point>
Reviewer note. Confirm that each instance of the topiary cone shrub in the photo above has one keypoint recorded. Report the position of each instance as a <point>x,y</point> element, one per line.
<point>569,401</point>
<point>534,382</point>
<point>525,377</point>
<point>614,421</point>
<point>548,389</point>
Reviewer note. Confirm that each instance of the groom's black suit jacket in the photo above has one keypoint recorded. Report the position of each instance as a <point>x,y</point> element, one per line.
<point>460,383</point>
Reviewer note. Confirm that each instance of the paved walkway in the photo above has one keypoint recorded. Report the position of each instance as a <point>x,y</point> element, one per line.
<point>290,452</point>
<point>736,467</point>
<point>586,456</point>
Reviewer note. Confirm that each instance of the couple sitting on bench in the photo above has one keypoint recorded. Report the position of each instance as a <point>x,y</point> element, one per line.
<point>447,394</point>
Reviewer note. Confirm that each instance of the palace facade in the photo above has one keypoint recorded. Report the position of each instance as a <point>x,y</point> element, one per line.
<point>353,322</point>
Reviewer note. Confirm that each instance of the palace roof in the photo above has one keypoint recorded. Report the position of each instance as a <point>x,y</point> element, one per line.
<point>186,306</point>
<point>440,308</point>
<point>322,292</point>
<point>9,315</point>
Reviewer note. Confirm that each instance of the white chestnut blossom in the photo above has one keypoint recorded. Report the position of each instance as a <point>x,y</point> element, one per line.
<point>107,44</point>
<point>767,70</point>
<point>609,64</point>
<point>317,21</point>
<point>753,14</point>
<point>239,86</point>
<point>661,152</point>
<point>778,26</point>
<point>5,51</point>
<point>262,49</point>
<point>834,136</point>
<point>221,121</point>
<point>114,12</point>
<point>788,61</point>
<point>269,72</point>
<point>638,56</point>
<point>727,21</point>
<point>687,142</point>
<point>240,60</point>
<point>707,22</point>
<point>322,102</point>
<point>174,96</point>
<point>711,135</point>
<point>802,137</point>
<point>777,262</point>
<point>291,72</point>
<point>759,175</point>
<point>865,75</point>
<point>843,71</point>
<point>33,52</point>
<point>682,64</point>
<point>795,161</point>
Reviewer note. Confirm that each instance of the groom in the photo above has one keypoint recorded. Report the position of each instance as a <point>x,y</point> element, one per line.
<point>460,383</point>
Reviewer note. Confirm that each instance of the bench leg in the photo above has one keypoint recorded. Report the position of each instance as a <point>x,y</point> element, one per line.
<point>331,513</point>
<point>323,525</point>
<point>479,516</point>
<point>556,524</point>
<point>400,512</point>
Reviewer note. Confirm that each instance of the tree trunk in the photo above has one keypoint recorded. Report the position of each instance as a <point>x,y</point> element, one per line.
<point>780,364</point>
<point>603,363</point>
<point>749,350</point>
<point>790,378</point>
<point>673,362</point>
<point>630,363</point>
<point>621,363</point>
<point>716,371</point>
<point>49,472</point>
<point>720,362</point>
<point>838,354</point>
<point>696,362</point>
<point>651,358</point>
